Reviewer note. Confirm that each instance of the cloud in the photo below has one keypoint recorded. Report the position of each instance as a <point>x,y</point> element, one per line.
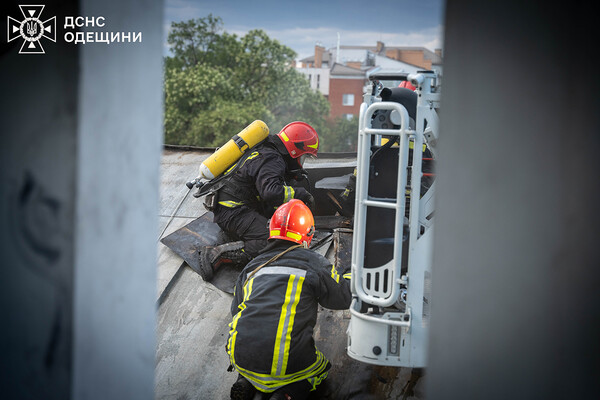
<point>181,10</point>
<point>303,40</point>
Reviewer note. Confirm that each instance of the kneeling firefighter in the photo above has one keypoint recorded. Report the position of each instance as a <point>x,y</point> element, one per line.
<point>248,193</point>
<point>274,310</point>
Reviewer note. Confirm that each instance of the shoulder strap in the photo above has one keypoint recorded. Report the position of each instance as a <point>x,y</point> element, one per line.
<point>275,257</point>
<point>221,180</point>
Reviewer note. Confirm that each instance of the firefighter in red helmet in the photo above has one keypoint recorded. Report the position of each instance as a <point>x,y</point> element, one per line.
<point>251,190</point>
<point>407,85</point>
<point>274,310</point>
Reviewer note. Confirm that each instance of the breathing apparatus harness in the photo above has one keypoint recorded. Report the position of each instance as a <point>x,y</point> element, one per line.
<point>223,189</point>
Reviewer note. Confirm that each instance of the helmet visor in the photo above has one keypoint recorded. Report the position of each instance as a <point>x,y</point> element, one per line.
<point>303,158</point>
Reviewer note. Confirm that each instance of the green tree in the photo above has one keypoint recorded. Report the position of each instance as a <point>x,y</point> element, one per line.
<point>217,83</point>
<point>340,135</point>
<point>192,42</point>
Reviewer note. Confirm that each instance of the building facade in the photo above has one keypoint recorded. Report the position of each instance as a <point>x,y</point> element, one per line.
<point>346,88</point>
<point>341,73</point>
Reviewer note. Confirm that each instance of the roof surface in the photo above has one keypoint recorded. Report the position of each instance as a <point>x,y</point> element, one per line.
<point>341,69</point>
<point>427,54</point>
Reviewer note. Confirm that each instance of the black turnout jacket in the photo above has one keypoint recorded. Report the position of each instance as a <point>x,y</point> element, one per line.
<point>258,181</point>
<point>274,313</point>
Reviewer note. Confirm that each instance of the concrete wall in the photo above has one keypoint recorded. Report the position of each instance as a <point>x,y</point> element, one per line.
<point>80,144</point>
<point>38,173</point>
<point>515,310</point>
<point>120,137</point>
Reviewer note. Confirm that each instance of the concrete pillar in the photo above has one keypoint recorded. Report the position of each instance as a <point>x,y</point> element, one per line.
<point>515,310</point>
<point>81,134</point>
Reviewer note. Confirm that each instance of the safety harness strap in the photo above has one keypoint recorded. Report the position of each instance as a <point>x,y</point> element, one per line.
<point>230,195</point>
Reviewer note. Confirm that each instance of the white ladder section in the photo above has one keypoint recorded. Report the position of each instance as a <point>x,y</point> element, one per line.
<point>381,331</point>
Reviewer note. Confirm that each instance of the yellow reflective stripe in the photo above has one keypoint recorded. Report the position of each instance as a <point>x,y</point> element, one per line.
<point>230,168</point>
<point>275,232</point>
<point>231,203</point>
<point>334,274</point>
<point>284,136</point>
<point>288,193</point>
<point>282,318</point>
<point>250,157</point>
<point>233,324</point>
<point>281,352</point>
<point>288,338</point>
<point>314,146</point>
<point>316,381</point>
<point>293,235</point>
<point>268,383</point>
<point>347,276</point>
<point>411,145</point>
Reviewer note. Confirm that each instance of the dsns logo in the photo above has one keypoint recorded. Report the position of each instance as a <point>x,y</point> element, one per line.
<point>31,29</point>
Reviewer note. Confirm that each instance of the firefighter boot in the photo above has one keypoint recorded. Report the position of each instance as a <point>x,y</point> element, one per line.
<point>212,257</point>
<point>242,389</point>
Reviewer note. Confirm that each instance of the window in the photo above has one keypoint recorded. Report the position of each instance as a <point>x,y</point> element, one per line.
<point>318,81</point>
<point>348,100</point>
<point>349,116</point>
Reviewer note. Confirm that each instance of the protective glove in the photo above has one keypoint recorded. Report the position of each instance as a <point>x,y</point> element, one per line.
<point>310,202</point>
<point>306,197</point>
<point>298,177</point>
<point>298,174</point>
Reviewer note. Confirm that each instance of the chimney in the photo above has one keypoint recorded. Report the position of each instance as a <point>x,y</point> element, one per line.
<point>380,46</point>
<point>319,50</point>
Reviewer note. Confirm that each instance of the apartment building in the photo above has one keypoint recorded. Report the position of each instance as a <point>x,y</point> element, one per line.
<point>341,73</point>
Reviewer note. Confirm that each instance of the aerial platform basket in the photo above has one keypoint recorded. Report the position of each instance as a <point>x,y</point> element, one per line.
<point>391,297</point>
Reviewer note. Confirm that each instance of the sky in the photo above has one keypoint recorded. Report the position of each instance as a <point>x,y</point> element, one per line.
<point>302,24</point>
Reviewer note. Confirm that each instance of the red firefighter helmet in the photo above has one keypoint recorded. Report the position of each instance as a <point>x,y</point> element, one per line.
<point>407,84</point>
<point>299,139</point>
<point>292,221</point>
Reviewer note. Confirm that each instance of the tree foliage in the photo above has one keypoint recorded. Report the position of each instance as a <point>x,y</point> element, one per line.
<point>217,83</point>
<point>340,135</point>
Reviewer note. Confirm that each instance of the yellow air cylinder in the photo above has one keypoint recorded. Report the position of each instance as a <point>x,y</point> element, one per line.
<point>223,158</point>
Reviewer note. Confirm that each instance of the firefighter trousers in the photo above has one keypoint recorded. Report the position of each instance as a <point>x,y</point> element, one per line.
<point>247,225</point>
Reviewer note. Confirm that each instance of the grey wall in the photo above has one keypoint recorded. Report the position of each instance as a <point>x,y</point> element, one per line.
<point>515,307</point>
<point>81,134</point>
<point>38,168</point>
<point>120,136</point>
